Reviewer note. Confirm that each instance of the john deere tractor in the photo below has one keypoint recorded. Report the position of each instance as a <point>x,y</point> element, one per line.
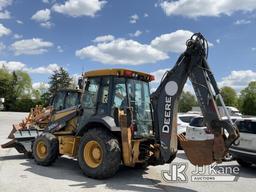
<point>113,120</point>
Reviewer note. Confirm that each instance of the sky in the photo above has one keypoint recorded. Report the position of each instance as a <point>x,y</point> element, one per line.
<point>39,36</point>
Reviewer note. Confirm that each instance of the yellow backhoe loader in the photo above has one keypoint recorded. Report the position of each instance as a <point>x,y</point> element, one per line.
<point>113,119</point>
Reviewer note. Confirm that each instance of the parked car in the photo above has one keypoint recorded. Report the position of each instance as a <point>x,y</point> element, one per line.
<point>232,111</point>
<point>183,121</point>
<point>245,151</point>
<point>197,130</point>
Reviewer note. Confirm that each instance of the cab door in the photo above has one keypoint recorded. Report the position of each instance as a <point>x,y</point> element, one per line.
<point>104,97</point>
<point>90,100</point>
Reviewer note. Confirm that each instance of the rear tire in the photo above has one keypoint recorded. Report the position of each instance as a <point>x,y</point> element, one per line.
<point>45,149</point>
<point>243,163</point>
<point>99,154</point>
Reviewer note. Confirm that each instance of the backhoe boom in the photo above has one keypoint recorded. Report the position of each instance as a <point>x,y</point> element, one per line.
<point>191,64</point>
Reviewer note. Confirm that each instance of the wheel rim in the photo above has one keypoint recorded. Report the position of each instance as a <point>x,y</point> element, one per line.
<point>41,150</point>
<point>93,154</point>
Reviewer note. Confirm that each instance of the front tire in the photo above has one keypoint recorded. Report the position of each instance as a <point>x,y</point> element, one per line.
<point>99,154</point>
<point>45,149</point>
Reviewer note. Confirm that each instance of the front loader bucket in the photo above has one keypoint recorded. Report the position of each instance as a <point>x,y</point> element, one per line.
<point>38,116</point>
<point>14,129</point>
<point>22,140</point>
<point>24,133</point>
<point>14,144</point>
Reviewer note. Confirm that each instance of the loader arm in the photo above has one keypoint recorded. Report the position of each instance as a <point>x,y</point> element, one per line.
<point>191,64</point>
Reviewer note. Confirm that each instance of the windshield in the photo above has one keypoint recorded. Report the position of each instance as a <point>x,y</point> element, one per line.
<point>197,122</point>
<point>186,119</point>
<point>139,100</point>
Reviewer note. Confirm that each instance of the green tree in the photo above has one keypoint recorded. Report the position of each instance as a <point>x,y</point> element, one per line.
<point>60,79</point>
<point>8,84</point>
<point>23,85</point>
<point>247,99</point>
<point>40,90</point>
<point>45,99</point>
<point>5,81</point>
<point>229,96</point>
<point>14,86</point>
<point>187,101</point>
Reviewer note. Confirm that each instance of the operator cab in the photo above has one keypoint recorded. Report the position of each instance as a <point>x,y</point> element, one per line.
<point>109,91</point>
<point>65,99</point>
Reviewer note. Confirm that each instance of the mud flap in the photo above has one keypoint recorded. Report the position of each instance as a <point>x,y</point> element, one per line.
<point>203,152</point>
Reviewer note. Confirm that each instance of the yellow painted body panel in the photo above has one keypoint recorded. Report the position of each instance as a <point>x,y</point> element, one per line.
<point>71,125</point>
<point>68,145</point>
<point>130,148</point>
<point>61,114</point>
<point>113,72</point>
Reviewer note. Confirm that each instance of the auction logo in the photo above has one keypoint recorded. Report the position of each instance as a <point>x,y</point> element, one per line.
<point>178,172</point>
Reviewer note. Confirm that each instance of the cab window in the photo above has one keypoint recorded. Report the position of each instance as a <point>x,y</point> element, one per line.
<point>120,97</point>
<point>72,99</point>
<point>58,101</point>
<point>103,102</point>
<point>91,93</point>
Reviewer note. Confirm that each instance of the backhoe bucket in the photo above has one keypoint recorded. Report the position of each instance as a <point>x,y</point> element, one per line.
<point>203,152</point>
<point>198,152</point>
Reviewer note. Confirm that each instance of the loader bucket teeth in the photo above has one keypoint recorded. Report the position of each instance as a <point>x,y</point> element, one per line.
<point>15,128</point>
<point>11,135</point>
